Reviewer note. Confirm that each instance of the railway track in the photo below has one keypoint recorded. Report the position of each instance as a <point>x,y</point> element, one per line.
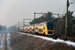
<point>5,41</point>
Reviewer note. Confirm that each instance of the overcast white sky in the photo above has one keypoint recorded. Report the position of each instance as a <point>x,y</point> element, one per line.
<point>12,11</point>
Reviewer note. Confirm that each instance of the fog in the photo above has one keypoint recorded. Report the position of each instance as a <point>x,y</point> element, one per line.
<point>12,11</point>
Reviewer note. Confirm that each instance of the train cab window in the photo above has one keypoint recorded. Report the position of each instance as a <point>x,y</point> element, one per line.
<point>50,25</point>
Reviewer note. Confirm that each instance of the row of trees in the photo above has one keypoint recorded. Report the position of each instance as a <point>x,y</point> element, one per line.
<point>44,17</point>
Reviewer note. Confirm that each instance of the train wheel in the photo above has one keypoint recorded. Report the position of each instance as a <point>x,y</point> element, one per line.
<point>65,38</point>
<point>36,33</point>
<point>56,37</point>
<point>44,34</point>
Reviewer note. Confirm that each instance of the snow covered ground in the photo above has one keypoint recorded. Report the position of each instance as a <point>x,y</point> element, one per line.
<point>1,42</point>
<point>51,39</point>
<point>8,37</point>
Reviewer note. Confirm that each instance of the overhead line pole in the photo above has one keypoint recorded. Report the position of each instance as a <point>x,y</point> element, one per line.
<point>66,26</point>
<point>18,25</point>
<point>25,22</point>
<point>44,13</point>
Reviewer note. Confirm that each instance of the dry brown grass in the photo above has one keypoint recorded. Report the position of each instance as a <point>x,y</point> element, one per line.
<point>24,42</point>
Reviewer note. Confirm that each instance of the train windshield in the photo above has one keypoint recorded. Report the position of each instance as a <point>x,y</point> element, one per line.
<point>50,25</point>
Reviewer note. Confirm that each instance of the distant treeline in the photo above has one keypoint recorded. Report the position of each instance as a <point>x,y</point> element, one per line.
<point>59,22</point>
<point>13,29</point>
<point>2,28</point>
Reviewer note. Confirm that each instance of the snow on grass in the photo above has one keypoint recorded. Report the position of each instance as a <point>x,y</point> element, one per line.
<point>1,42</point>
<point>51,39</point>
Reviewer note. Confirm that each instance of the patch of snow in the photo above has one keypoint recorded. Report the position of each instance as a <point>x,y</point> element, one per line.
<point>51,39</point>
<point>1,46</point>
<point>8,37</point>
<point>70,43</point>
<point>1,43</point>
<point>8,34</point>
<point>0,35</point>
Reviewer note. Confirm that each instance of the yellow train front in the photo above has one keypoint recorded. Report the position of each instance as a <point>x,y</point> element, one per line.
<point>46,28</point>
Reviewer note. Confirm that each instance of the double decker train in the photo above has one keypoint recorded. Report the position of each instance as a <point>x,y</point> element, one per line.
<point>49,28</point>
<point>45,28</point>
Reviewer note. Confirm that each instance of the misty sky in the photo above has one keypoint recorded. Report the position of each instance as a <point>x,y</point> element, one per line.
<point>12,11</point>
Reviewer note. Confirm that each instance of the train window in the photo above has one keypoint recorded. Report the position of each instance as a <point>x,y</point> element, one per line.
<point>50,25</point>
<point>41,24</point>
